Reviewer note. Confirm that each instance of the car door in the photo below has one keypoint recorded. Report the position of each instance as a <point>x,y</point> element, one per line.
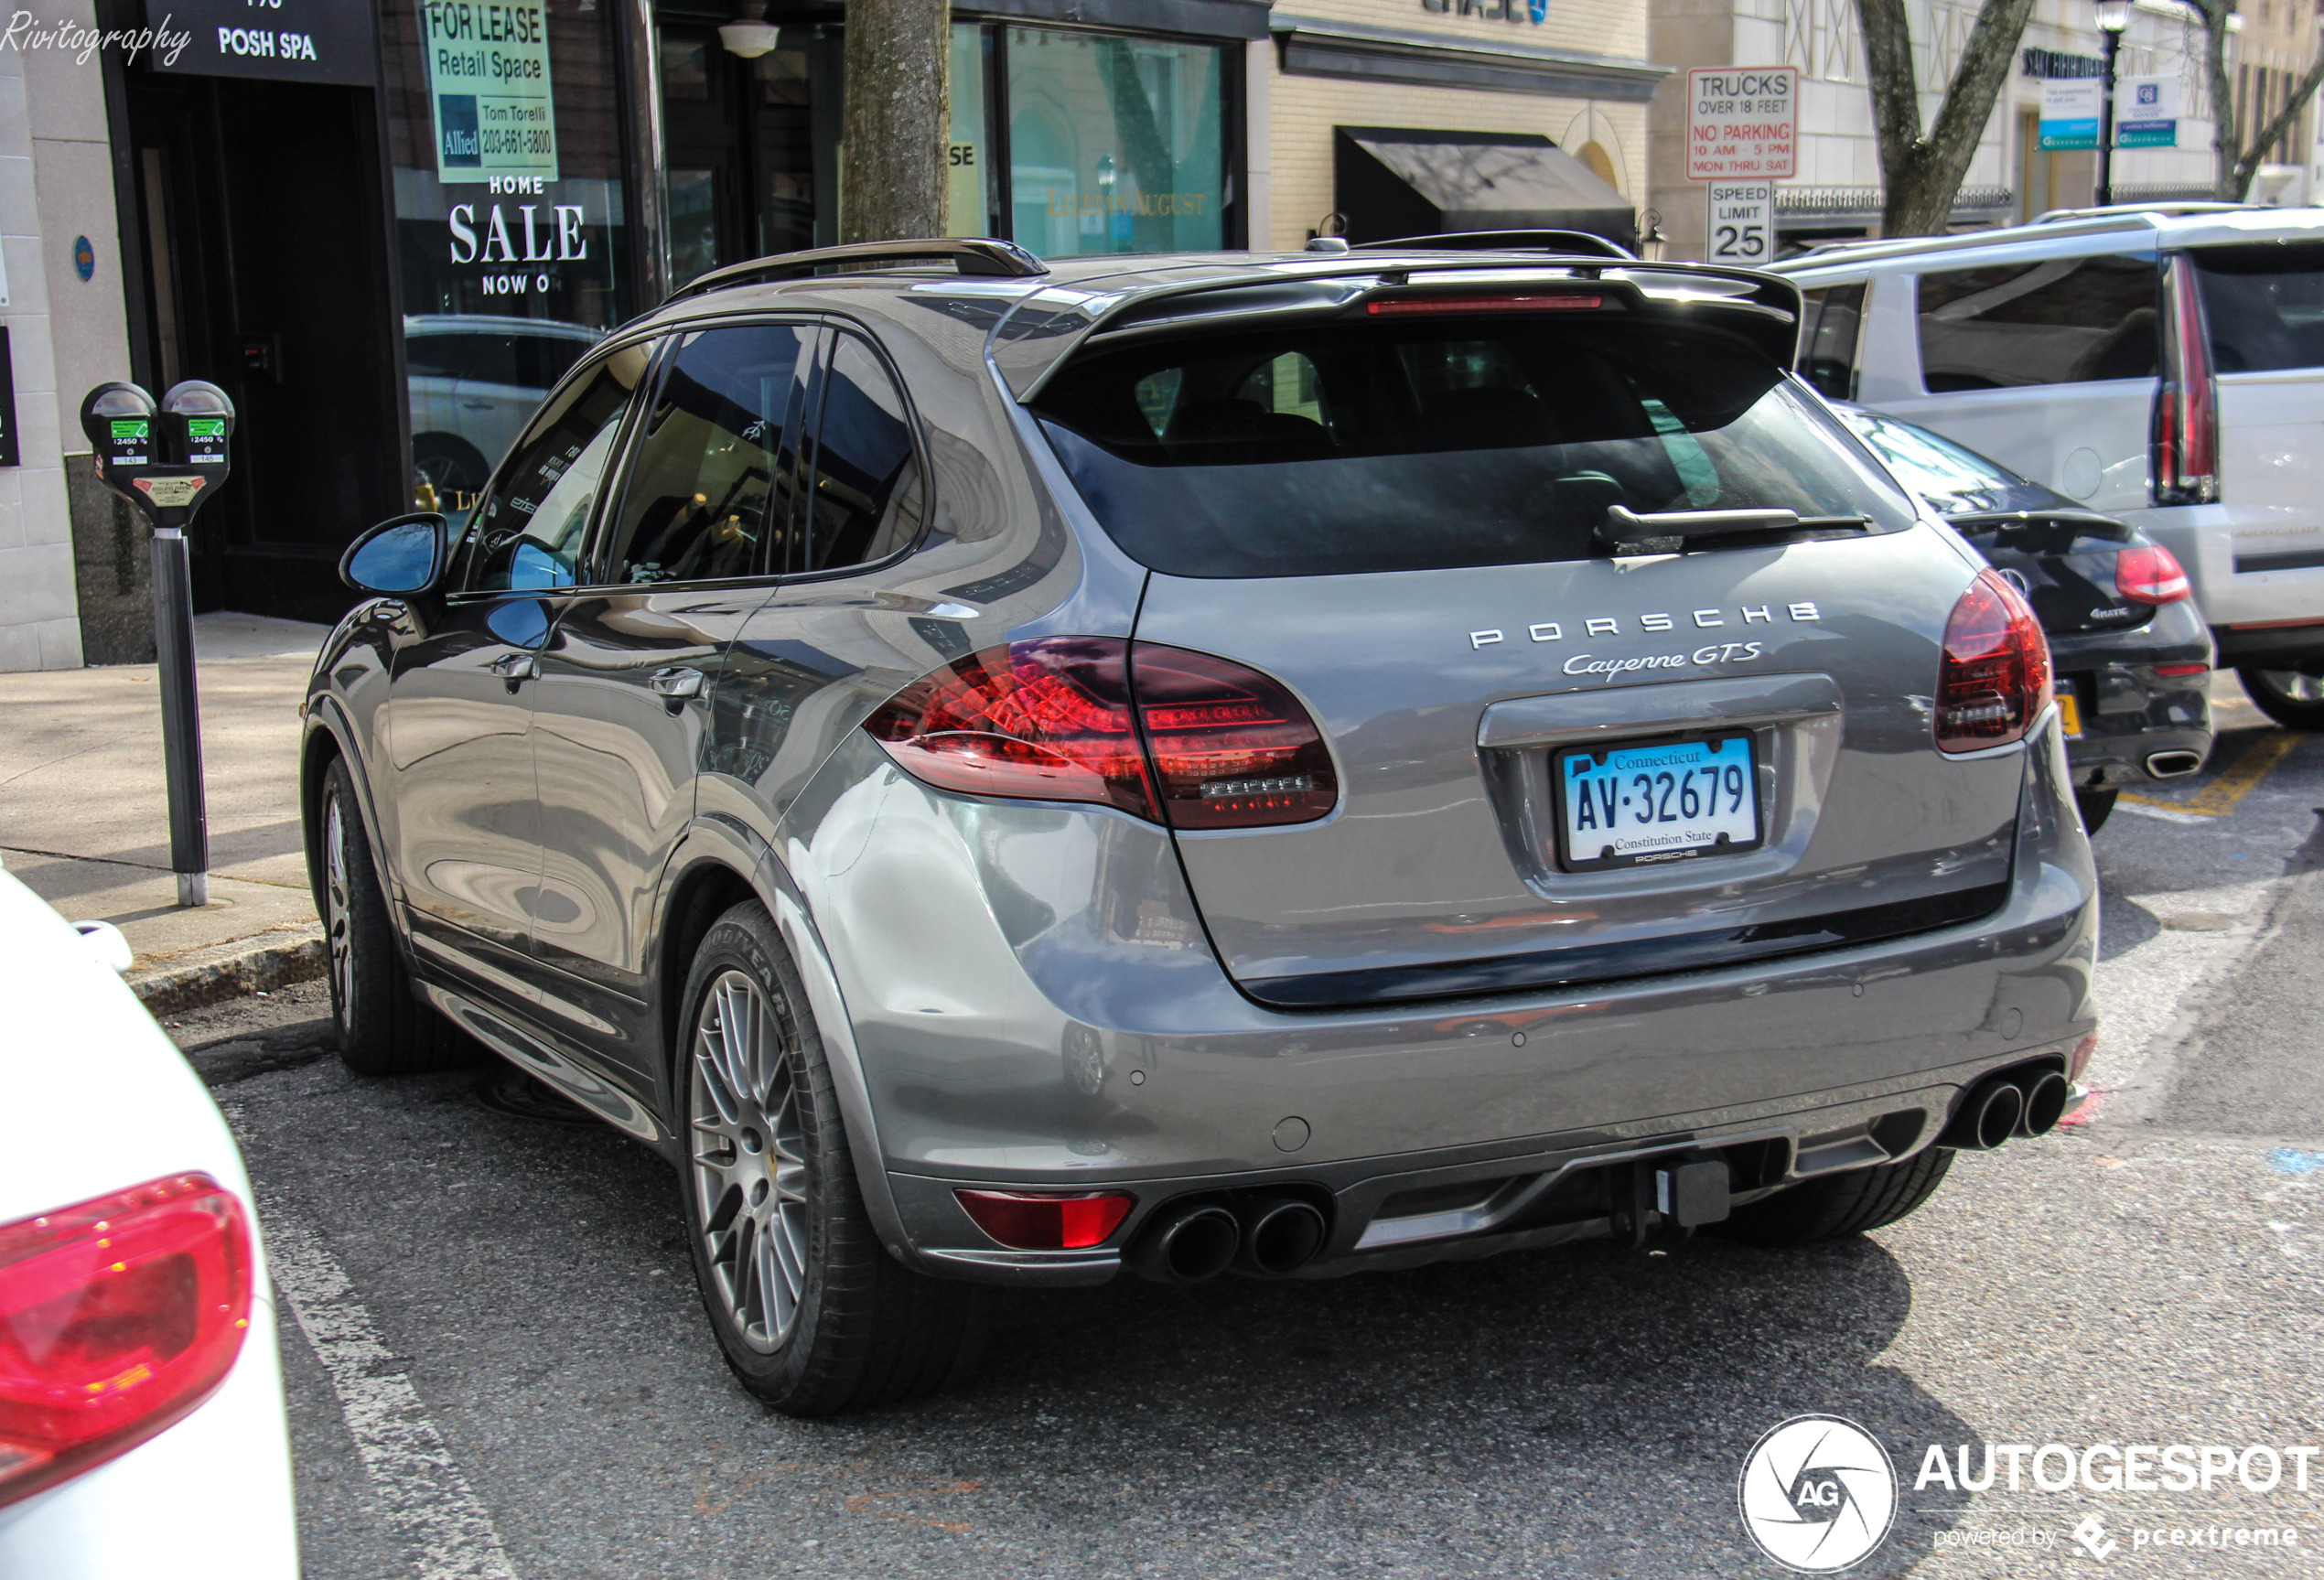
<point>460,807</point>
<point>703,518</point>
<point>824,650</point>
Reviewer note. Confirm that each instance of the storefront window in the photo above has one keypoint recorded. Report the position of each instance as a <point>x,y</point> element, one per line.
<point>504,126</point>
<point>964,207</point>
<point>1115,144</point>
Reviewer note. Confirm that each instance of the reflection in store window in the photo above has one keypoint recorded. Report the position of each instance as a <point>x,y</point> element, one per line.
<point>1115,144</point>
<point>509,212</point>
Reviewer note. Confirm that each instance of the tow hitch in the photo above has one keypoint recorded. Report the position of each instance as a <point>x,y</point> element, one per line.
<point>1685,1195</point>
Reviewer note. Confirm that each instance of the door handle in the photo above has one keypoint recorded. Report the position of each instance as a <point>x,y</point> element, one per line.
<point>475,406</point>
<point>675,683</point>
<point>516,669</point>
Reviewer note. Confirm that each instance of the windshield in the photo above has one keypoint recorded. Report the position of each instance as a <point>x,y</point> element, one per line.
<point>1468,439</point>
<point>1957,481</point>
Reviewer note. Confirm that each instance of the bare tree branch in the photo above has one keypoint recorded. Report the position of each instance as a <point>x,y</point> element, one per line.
<point>1923,172</point>
<point>2237,167</point>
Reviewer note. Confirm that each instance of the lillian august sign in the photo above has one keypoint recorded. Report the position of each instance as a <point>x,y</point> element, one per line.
<point>488,73</point>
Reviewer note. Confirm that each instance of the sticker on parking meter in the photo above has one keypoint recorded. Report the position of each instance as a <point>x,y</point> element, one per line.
<point>170,493</point>
<point>131,442</point>
<point>206,441</point>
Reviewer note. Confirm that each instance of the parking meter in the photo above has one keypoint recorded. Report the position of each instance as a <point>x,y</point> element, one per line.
<point>166,462</point>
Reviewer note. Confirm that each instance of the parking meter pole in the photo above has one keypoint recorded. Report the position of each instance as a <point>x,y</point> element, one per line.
<point>180,716</point>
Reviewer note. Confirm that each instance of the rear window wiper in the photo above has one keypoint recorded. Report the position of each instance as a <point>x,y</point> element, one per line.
<point>1625,531</point>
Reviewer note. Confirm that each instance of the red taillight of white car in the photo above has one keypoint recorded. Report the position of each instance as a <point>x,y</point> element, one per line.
<point>1994,678</point>
<point>2150,575</point>
<point>1161,732</point>
<point>2183,452</point>
<point>118,1316</point>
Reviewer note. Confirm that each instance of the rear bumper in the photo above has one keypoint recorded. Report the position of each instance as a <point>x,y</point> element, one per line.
<point>1034,1007</point>
<point>2129,713</point>
<point>2248,562</point>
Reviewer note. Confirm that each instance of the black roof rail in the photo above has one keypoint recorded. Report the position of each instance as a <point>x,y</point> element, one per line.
<point>1581,242</point>
<point>980,255</point>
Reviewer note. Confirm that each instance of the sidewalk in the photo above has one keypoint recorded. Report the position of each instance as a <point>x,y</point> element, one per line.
<point>82,803</point>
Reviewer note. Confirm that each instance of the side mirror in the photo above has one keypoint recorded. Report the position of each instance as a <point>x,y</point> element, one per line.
<point>399,557</point>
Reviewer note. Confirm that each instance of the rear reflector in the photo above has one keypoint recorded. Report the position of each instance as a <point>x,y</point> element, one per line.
<point>1994,678</point>
<point>1208,743</point>
<point>1394,307</point>
<point>2177,670</point>
<point>2149,573</point>
<point>1028,1222</point>
<point>117,1317</point>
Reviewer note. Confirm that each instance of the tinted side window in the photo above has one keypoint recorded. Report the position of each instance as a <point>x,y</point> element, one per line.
<point>1831,316</point>
<point>529,530</point>
<point>2265,304</point>
<point>710,494</point>
<point>2062,321</point>
<point>867,500</point>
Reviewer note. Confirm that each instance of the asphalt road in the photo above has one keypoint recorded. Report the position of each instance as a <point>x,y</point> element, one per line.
<point>502,1369</point>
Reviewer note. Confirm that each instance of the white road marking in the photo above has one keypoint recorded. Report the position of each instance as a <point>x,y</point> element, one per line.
<point>424,1494</point>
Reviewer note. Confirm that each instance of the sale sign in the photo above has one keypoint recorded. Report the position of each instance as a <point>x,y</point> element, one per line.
<point>1742,122</point>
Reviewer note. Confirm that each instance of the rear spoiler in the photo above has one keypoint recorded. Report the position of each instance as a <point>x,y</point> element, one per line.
<point>1046,327</point>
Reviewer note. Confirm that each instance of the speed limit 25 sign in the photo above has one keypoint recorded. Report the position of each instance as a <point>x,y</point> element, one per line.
<point>1742,228</point>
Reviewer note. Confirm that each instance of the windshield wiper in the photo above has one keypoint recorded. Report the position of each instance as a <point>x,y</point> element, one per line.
<point>1673,531</point>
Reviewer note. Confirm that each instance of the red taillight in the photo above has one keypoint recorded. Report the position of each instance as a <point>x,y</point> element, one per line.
<point>1994,678</point>
<point>2183,453</point>
<point>117,1317</point>
<point>1026,1222</point>
<point>1051,719</point>
<point>1394,307</point>
<point>2150,574</point>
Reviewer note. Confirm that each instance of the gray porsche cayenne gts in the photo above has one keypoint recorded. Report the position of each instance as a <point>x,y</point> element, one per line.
<point>1009,773</point>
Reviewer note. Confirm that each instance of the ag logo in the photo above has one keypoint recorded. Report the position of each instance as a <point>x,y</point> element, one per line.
<point>1818,1494</point>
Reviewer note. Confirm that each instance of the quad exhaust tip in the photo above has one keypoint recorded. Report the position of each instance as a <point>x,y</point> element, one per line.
<point>1187,1244</point>
<point>2174,765</point>
<point>2023,1105</point>
<point>2046,1095</point>
<point>1279,1237</point>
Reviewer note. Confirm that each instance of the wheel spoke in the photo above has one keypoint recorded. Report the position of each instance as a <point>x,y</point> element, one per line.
<point>749,1160</point>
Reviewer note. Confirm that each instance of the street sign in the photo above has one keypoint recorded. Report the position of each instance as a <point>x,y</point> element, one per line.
<point>2146,112</point>
<point>2070,109</point>
<point>1742,122</point>
<point>1742,227</point>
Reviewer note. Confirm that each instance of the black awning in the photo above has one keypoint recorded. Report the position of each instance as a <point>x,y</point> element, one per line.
<point>1394,182</point>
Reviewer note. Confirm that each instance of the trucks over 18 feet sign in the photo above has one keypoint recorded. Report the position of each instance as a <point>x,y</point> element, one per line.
<point>1742,122</point>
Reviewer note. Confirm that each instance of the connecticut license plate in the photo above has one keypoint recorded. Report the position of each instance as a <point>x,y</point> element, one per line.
<point>1626,805</point>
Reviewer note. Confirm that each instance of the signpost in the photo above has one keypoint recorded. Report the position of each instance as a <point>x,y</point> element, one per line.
<point>1742,136</point>
<point>2146,112</point>
<point>2069,107</point>
<point>167,461</point>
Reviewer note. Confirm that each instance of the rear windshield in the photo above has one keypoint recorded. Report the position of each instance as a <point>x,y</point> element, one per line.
<point>1956,481</point>
<point>1464,440</point>
<point>2265,304</point>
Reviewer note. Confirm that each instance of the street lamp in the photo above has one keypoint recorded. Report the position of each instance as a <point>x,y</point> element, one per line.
<point>749,35</point>
<point>2114,20</point>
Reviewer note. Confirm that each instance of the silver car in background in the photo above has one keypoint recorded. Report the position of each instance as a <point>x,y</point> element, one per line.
<point>1007,773</point>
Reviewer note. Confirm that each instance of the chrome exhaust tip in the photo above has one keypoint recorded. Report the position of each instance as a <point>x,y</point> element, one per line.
<point>1279,1237</point>
<point>2047,1097</point>
<point>1187,1244</point>
<point>1987,1118</point>
<point>2174,765</point>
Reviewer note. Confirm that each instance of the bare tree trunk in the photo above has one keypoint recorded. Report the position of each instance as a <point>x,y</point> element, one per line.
<point>2237,167</point>
<point>897,120</point>
<point>1923,172</point>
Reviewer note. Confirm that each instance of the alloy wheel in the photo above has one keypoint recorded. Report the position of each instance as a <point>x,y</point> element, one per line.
<point>2295,686</point>
<point>750,1162</point>
<point>338,911</point>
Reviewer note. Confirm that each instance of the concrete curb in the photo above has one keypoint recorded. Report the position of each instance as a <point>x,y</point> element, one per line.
<point>277,958</point>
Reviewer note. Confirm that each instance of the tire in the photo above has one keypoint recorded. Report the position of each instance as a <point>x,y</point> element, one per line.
<point>1844,1205</point>
<point>448,463</point>
<point>2293,698</point>
<point>384,1026</point>
<point>814,1316</point>
<point>2096,806</point>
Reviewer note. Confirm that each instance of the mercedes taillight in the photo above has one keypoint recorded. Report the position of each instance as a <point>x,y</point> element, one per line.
<point>1163,733</point>
<point>2149,573</point>
<point>118,1316</point>
<point>2183,451</point>
<point>1993,679</point>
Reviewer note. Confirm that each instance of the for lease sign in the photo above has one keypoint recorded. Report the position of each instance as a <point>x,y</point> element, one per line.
<point>1742,122</point>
